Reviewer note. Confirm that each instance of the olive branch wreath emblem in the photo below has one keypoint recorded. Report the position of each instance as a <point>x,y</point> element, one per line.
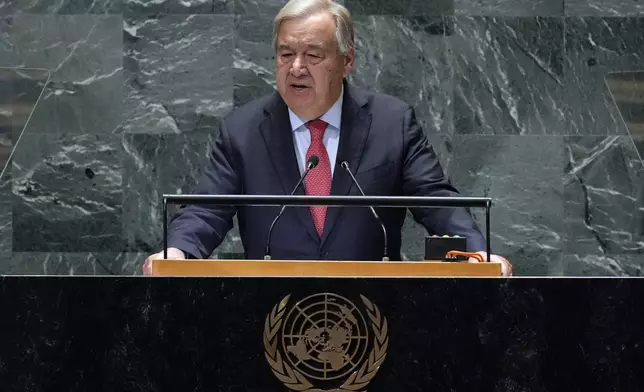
<point>295,381</point>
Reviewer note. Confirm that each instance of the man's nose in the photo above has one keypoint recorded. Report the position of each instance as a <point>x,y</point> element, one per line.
<point>298,68</point>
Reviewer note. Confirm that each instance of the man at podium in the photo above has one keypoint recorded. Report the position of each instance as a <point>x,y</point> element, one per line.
<point>318,121</point>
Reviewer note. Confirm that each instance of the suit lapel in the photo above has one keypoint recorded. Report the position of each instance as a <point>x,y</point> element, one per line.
<point>278,136</point>
<point>354,130</point>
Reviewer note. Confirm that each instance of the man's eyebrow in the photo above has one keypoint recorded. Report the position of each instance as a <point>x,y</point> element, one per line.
<point>316,46</point>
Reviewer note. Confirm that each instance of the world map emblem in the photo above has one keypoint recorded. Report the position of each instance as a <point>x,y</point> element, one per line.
<point>325,342</point>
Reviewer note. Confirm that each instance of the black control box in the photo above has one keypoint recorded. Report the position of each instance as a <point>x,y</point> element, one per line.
<point>436,247</point>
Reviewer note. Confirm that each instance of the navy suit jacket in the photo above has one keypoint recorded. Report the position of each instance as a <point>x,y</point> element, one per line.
<point>254,154</point>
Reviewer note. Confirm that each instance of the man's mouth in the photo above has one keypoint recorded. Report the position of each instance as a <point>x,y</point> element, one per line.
<point>299,86</point>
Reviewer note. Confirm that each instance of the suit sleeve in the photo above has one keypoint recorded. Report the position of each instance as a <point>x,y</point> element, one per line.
<point>424,176</point>
<point>199,229</point>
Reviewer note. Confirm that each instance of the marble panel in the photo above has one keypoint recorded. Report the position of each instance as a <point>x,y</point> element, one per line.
<point>509,7</point>
<point>7,49</point>
<point>6,230</point>
<point>253,56</point>
<point>627,90</point>
<point>67,193</point>
<point>84,55</point>
<point>604,7</point>
<point>400,7</point>
<point>147,7</point>
<point>408,58</point>
<point>604,206</point>
<point>178,72</point>
<point>71,264</point>
<point>68,6</point>
<point>595,47</point>
<point>508,75</point>
<point>522,175</point>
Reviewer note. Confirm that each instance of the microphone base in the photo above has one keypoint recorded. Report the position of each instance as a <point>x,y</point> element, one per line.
<point>267,257</point>
<point>385,258</point>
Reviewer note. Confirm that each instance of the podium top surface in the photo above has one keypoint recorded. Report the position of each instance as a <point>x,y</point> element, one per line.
<point>323,268</point>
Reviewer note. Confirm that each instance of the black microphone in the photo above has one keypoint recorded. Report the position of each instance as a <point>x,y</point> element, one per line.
<point>310,164</point>
<point>345,166</point>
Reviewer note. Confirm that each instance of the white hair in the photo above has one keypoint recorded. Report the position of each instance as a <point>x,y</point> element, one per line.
<point>344,33</point>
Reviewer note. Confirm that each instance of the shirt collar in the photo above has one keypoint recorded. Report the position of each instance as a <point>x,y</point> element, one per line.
<point>332,117</point>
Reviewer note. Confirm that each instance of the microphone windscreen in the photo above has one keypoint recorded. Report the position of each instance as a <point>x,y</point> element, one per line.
<point>313,161</point>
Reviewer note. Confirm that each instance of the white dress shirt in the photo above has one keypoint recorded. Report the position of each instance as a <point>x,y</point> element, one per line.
<point>302,135</point>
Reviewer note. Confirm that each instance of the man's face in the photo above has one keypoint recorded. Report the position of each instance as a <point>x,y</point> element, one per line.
<point>310,69</point>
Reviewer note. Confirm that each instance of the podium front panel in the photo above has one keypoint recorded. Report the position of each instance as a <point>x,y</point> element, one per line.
<point>321,334</point>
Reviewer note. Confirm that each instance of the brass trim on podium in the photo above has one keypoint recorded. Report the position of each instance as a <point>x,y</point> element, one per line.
<point>294,268</point>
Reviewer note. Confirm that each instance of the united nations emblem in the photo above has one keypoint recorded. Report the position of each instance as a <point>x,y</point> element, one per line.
<point>325,339</point>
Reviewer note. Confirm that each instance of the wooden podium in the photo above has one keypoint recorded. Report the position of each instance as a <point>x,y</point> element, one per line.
<point>294,268</point>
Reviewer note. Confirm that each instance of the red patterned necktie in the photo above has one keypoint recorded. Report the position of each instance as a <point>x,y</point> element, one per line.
<point>318,181</point>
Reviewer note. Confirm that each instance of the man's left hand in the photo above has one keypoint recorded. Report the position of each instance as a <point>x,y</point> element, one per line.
<point>506,267</point>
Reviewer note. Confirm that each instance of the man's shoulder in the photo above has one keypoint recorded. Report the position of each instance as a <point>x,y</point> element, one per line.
<point>250,112</point>
<point>381,103</point>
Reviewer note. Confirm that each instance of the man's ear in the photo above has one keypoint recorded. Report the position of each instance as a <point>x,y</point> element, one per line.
<point>349,62</point>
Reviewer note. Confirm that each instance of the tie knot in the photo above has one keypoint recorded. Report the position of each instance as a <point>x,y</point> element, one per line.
<point>317,128</point>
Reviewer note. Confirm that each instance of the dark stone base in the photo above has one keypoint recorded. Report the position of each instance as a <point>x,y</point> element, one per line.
<point>162,334</point>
